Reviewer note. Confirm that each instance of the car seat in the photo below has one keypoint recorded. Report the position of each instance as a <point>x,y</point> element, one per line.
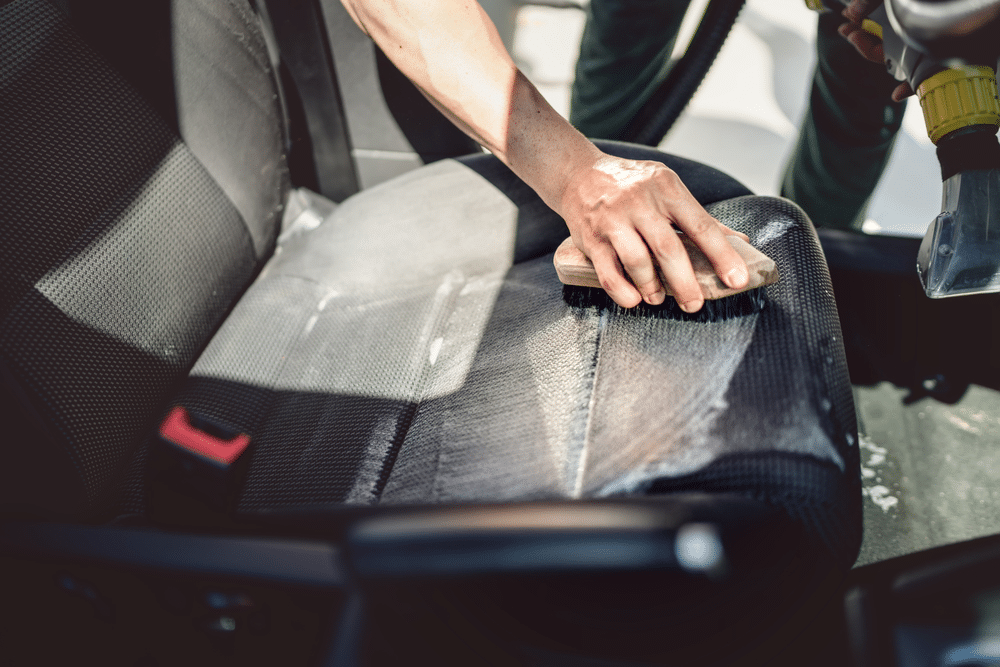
<point>498,476</point>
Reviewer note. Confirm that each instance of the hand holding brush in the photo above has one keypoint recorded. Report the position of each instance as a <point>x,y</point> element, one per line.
<point>623,214</point>
<point>583,287</point>
<point>647,246</point>
<point>629,218</point>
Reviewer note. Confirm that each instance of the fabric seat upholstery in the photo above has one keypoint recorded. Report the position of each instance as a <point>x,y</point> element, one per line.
<point>419,339</point>
<point>414,348</point>
<point>122,251</point>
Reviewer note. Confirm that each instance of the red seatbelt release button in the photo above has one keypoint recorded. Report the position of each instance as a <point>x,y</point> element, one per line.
<point>218,447</point>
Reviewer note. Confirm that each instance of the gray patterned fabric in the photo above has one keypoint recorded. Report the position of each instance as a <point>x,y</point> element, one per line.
<point>121,255</point>
<point>418,361</point>
<point>415,347</point>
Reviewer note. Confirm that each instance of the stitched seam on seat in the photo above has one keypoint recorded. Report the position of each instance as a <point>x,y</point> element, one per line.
<point>581,465</point>
<point>437,321</point>
<point>394,447</point>
<point>260,60</point>
<point>263,417</point>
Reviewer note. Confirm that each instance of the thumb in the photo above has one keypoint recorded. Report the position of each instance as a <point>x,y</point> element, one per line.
<point>858,9</point>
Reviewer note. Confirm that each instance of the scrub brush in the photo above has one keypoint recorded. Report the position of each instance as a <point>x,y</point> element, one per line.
<point>583,289</point>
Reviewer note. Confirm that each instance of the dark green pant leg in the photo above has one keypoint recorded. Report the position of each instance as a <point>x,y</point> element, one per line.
<point>624,54</point>
<point>847,135</point>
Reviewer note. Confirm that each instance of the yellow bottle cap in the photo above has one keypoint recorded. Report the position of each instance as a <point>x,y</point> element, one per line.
<point>957,98</point>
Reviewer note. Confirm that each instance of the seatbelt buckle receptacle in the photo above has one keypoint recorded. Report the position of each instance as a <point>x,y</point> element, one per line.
<point>199,458</point>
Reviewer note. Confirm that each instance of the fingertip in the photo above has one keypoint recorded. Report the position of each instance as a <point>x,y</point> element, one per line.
<point>652,292</point>
<point>628,301</point>
<point>737,277</point>
<point>690,297</point>
<point>852,12</point>
<point>691,305</point>
<point>625,295</point>
<point>901,92</point>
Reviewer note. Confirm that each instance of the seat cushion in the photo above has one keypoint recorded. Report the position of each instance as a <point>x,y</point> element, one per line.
<point>416,348</point>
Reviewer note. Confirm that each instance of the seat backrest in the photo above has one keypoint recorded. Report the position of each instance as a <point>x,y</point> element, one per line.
<point>126,234</point>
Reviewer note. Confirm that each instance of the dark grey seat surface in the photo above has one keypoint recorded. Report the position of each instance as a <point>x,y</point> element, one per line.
<point>125,243</point>
<point>419,338</point>
<point>415,347</point>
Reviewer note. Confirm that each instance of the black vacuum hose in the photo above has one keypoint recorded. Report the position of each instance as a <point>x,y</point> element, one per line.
<point>659,113</point>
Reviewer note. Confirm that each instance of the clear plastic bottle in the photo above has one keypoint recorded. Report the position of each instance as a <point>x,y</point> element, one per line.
<point>961,252</point>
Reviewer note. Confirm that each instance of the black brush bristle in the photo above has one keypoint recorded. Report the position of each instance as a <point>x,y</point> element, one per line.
<point>714,310</point>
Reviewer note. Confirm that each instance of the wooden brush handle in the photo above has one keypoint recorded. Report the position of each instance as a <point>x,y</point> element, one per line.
<point>574,268</point>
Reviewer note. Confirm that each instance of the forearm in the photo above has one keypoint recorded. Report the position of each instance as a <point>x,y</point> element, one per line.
<point>453,54</point>
<point>621,213</point>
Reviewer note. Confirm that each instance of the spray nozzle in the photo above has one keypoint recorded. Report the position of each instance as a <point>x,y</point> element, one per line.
<point>961,252</point>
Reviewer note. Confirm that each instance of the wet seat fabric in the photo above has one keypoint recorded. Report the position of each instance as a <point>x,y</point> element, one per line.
<point>421,332</point>
<point>413,347</point>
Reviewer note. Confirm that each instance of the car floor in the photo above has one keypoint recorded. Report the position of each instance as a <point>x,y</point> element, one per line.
<point>930,470</point>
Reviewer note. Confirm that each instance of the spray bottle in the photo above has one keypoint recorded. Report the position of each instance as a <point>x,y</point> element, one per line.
<point>949,51</point>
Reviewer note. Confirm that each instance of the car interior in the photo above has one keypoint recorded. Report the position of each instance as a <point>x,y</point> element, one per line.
<point>288,378</point>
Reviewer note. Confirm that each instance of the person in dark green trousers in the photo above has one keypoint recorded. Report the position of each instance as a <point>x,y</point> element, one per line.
<point>845,139</point>
<point>624,56</point>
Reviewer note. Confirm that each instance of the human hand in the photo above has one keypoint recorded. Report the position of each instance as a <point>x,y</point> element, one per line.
<point>867,44</point>
<point>623,213</point>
